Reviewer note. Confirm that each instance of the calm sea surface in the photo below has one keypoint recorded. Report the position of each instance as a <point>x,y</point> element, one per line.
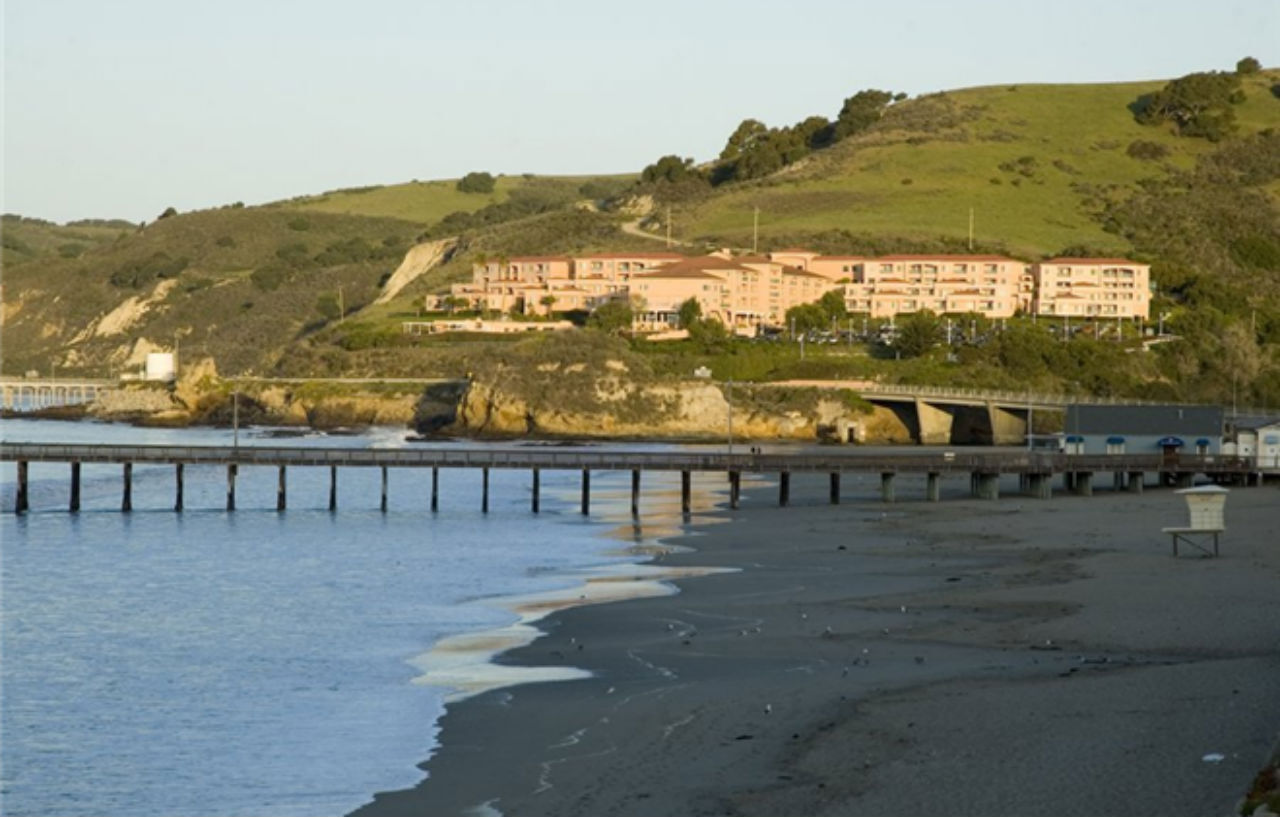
<point>256,662</point>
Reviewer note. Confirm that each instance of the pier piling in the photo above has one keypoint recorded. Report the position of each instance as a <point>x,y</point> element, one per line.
<point>784,489</point>
<point>20,503</point>
<point>382,505</point>
<point>231,487</point>
<point>886,487</point>
<point>126,498</point>
<point>933,486</point>
<point>333,487</point>
<point>834,493</point>
<point>435,489</point>
<point>178,486</point>
<point>684,491</point>
<point>74,504</point>
<point>484,490</point>
<point>988,486</point>
<point>1136,479</point>
<point>537,479</point>
<point>635,492</point>
<point>281,498</point>
<point>1082,483</point>
<point>586,491</point>
<point>735,488</point>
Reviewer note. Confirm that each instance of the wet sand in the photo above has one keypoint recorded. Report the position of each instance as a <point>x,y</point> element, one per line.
<point>965,657</point>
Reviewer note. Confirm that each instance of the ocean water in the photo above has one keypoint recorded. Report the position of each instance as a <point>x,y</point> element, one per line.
<point>255,662</point>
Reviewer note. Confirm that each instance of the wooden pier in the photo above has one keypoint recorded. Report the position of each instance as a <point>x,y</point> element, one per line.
<point>1035,470</point>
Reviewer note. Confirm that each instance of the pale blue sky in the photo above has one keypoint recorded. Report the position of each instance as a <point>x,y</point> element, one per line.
<point>120,109</point>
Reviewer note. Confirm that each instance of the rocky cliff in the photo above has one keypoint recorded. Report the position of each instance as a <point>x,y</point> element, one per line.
<point>601,407</point>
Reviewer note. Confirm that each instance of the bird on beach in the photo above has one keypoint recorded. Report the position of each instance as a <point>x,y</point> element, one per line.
<point>768,709</point>
<point>828,632</point>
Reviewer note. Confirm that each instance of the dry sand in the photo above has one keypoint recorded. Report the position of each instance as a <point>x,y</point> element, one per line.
<point>967,657</point>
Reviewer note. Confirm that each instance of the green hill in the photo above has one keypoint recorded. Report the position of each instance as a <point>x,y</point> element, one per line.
<point>26,239</point>
<point>1030,160</point>
<point>1044,168</point>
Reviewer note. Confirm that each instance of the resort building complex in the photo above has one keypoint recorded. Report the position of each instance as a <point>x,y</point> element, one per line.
<point>749,291</point>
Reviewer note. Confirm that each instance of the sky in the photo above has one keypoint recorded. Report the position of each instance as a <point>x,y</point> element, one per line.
<point>121,109</point>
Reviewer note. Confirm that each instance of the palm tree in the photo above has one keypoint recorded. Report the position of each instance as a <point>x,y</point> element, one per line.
<point>548,301</point>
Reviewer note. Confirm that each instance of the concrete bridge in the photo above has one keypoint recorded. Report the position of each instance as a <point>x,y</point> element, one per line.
<point>29,394</point>
<point>942,415</point>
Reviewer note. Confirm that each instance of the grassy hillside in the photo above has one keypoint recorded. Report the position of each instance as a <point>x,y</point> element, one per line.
<point>1029,160</point>
<point>235,283</point>
<point>426,202</point>
<point>26,239</point>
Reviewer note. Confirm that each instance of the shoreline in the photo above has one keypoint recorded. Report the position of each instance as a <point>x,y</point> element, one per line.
<point>1000,651</point>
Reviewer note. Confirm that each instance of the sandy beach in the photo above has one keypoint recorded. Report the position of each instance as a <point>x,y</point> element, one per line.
<point>1019,656</point>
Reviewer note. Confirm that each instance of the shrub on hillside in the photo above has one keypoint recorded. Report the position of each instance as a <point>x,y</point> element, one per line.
<point>1147,151</point>
<point>476,182</point>
<point>135,275</point>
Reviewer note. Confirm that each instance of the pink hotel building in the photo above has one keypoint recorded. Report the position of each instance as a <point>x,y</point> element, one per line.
<point>747,291</point>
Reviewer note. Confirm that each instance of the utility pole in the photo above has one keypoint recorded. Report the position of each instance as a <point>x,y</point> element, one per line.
<point>755,230</point>
<point>668,226</point>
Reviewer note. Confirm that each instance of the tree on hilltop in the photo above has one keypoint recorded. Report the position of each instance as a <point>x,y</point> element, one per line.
<point>1200,104</point>
<point>742,140</point>
<point>476,182</point>
<point>861,111</point>
<point>1248,65</point>
<point>670,169</point>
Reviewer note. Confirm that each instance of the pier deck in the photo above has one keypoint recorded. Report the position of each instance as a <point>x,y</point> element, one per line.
<point>1035,469</point>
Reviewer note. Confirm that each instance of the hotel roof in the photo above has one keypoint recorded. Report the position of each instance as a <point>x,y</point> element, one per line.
<point>1087,260</point>
<point>702,263</point>
<point>944,257</point>
<point>624,256</point>
<point>524,259</point>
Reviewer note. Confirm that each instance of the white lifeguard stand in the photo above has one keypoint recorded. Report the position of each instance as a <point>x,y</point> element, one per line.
<point>1205,505</point>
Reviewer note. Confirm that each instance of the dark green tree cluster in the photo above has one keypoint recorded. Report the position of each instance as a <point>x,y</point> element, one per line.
<point>1216,234</point>
<point>670,170</point>
<point>612,316</point>
<point>708,333</point>
<point>918,333</point>
<point>1201,104</point>
<point>822,314</point>
<point>861,111</point>
<point>755,150</point>
<point>476,182</point>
